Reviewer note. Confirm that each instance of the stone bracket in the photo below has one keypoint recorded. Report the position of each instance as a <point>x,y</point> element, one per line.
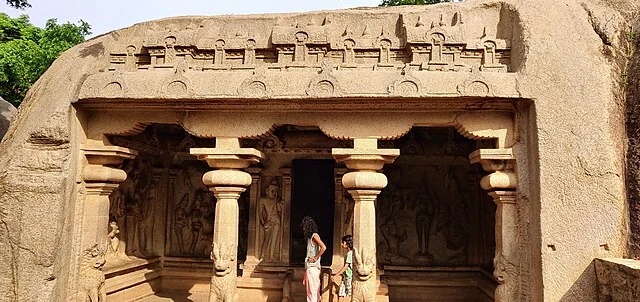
<point>100,178</point>
<point>501,164</point>
<point>365,155</point>
<point>228,155</point>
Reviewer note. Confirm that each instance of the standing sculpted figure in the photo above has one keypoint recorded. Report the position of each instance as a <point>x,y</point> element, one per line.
<point>270,218</point>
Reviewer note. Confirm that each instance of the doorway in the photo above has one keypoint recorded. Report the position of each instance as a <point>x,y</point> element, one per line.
<point>313,194</point>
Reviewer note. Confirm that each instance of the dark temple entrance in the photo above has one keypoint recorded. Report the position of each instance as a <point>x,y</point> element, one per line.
<point>313,194</point>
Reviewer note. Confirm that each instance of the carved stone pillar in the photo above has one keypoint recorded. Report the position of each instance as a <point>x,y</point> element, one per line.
<point>252,237</point>
<point>364,184</point>
<point>502,184</point>
<point>340,220</point>
<point>285,233</point>
<point>227,183</point>
<point>100,178</point>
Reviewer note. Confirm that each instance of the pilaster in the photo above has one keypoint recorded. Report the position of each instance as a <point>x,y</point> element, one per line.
<point>100,177</point>
<point>501,185</point>
<point>285,233</point>
<point>341,225</point>
<point>252,234</point>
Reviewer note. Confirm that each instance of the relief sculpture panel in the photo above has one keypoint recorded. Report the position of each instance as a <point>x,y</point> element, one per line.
<point>191,213</point>
<point>163,208</point>
<point>133,212</point>
<point>432,212</point>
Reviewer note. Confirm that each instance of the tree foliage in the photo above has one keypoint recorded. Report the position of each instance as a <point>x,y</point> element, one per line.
<point>26,51</point>
<point>19,4</point>
<point>410,2</point>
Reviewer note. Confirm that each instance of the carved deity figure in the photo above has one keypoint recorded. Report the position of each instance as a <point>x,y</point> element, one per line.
<point>453,217</point>
<point>115,253</point>
<point>395,228</point>
<point>182,222</point>
<point>193,216</point>
<point>114,242</point>
<point>147,217</point>
<point>202,217</point>
<point>91,279</point>
<point>424,219</point>
<point>270,219</point>
<point>132,207</point>
<point>118,207</point>
<point>348,207</point>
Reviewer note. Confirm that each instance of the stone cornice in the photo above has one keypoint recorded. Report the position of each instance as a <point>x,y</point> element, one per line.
<point>313,83</point>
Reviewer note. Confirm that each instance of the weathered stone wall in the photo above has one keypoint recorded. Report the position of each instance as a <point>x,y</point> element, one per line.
<point>632,85</point>
<point>564,54</point>
<point>579,130</point>
<point>618,280</point>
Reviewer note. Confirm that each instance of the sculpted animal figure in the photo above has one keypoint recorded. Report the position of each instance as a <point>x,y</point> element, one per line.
<point>364,286</point>
<point>223,280</point>
<point>91,278</point>
<point>505,273</point>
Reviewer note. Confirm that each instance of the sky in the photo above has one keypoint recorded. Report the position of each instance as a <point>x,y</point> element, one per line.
<point>108,15</point>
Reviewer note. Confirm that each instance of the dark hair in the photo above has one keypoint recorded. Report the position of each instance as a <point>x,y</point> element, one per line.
<point>309,226</point>
<point>349,240</point>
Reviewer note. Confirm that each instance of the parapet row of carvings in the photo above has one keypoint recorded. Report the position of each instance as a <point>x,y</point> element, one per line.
<point>443,45</point>
<point>327,82</point>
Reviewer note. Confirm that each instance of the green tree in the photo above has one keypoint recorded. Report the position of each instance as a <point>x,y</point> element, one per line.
<point>26,51</point>
<point>20,4</point>
<point>410,2</point>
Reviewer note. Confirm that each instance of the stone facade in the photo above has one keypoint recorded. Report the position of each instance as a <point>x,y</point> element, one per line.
<point>165,157</point>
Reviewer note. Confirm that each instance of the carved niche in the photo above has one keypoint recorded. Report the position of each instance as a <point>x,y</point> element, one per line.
<point>134,210</point>
<point>433,211</point>
<point>163,208</point>
<point>271,219</point>
<point>191,212</point>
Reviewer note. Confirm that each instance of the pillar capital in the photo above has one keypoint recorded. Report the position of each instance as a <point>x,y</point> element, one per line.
<point>364,195</point>
<point>99,177</point>
<point>501,164</point>
<point>231,193</point>
<point>364,180</point>
<point>365,155</point>
<point>228,155</point>
<point>107,155</point>
<point>226,178</point>
<point>494,159</point>
<point>504,197</point>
